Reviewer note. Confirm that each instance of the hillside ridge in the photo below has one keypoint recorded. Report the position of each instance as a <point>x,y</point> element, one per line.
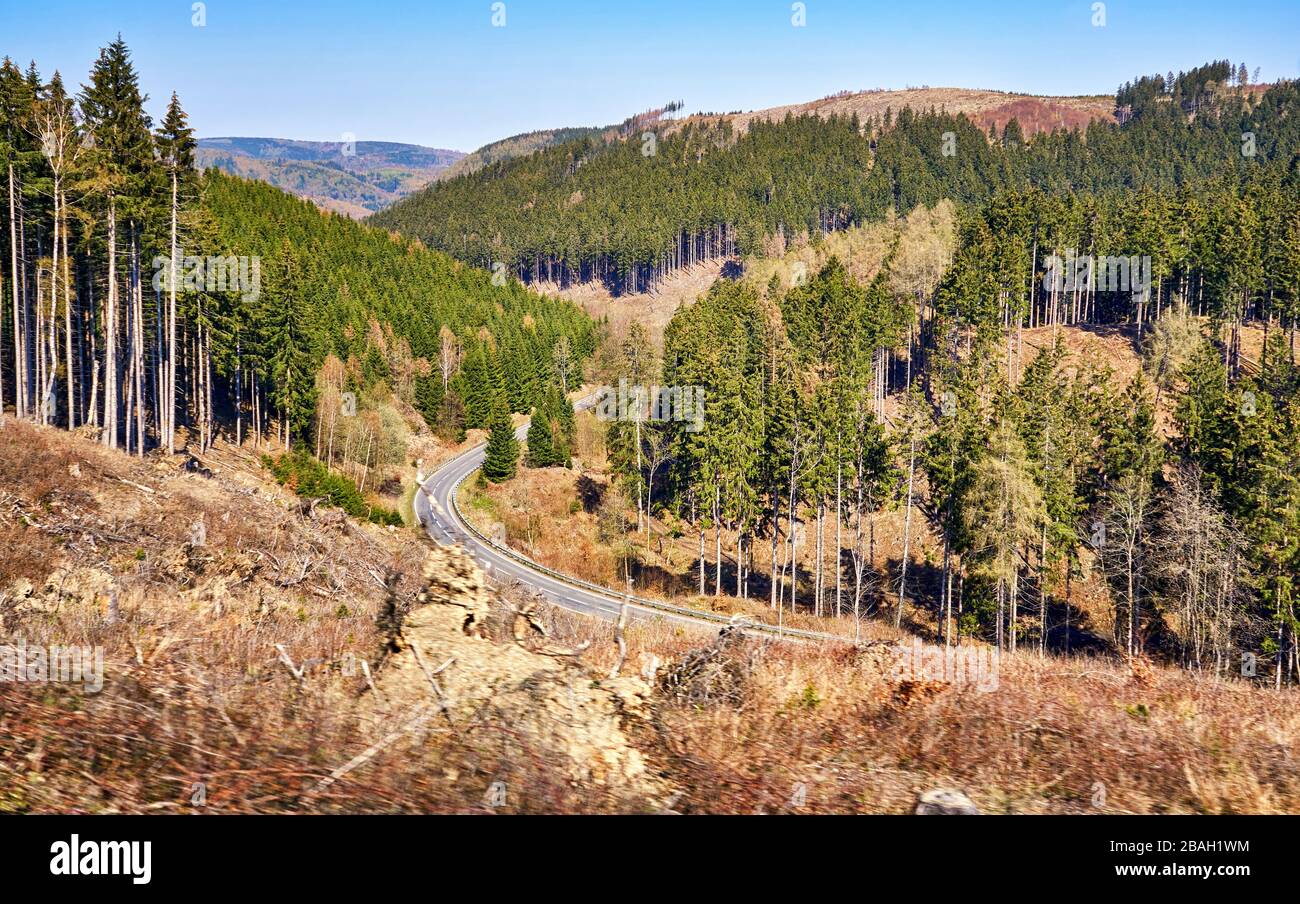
<point>352,178</point>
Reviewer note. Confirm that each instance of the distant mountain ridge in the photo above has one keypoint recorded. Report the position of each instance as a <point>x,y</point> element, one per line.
<point>356,179</point>
<point>1035,113</point>
<point>515,146</point>
<point>530,142</point>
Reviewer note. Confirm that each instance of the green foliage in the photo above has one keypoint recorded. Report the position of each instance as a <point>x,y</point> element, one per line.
<point>707,191</point>
<point>550,434</point>
<point>502,459</point>
<point>310,479</point>
<point>340,276</point>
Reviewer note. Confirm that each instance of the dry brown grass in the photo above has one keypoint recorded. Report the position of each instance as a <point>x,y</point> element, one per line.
<point>194,689</point>
<point>195,693</point>
<point>1082,735</point>
<point>653,310</point>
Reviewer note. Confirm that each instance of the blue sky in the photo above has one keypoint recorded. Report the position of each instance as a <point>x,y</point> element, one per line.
<point>439,73</point>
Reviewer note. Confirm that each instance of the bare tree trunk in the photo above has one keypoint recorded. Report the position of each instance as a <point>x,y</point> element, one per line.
<point>740,564</point>
<point>67,317</point>
<point>776,531</point>
<point>859,564</point>
<point>717,538</point>
<point>819,554</point>
<point>257,415</point>
<point>1014,608</point>
<point>47,416</point>
<point>793,517</point>
<point>169,395</point>
<point>640,508</point>
<point>20,378</point>
<point>702,589</point>
<point>110,333</point>
<point>907,536</point>
<point>947,593</point>
<point>239,401</point>
<point>137,344</point>
<point>1131,606</point>
<point>207,364</point>
<point>839,536</point>
<point>1042,594</point>
<point>40,346</point>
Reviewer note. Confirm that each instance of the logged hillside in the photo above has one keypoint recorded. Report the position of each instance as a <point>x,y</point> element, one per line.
<point>253,646</point>
<point>629,212</point>
<point>232,682</point>
<point>985,108</point>
<point>356,179</point>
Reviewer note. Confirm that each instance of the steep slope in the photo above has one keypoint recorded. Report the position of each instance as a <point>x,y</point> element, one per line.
<point>254,656</point>
<point>343,283</point>
<point>627,213</point>
<point>531,142</point>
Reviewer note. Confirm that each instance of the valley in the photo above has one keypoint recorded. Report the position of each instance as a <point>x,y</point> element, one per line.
<point>986,499</point>
<point>353,178</point>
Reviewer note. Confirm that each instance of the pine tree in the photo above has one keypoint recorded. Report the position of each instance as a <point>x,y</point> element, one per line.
<point>1002,509</point>
<point>288,336</point>
<point>502,460</point>
<point>57,125</point>
<point>121,158</point>
<point>429,394</point>
<point>175,140</point>
<point>541,448</point>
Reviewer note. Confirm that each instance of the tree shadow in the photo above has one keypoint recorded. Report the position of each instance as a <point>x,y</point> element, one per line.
<point>590,493</point>
<point>660,580</point>
<point>924,593</point>
<point>1068,631</point>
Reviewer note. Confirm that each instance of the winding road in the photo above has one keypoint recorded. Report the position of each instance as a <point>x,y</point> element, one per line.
<point>436,510</point>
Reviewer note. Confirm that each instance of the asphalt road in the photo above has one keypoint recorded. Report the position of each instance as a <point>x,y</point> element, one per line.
<point>435,509</point>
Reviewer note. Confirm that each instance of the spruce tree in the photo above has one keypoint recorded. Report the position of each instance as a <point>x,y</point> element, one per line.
<point>289,338</point>
<point>502,460</point>
<point>541,447</point>
<point>176,144</point>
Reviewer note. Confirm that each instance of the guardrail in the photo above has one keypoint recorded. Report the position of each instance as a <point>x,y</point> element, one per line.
<point>614,596</point>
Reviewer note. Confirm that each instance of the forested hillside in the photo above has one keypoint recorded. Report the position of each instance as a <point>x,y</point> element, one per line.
<point>833,400</point>
<point>143,296</point>
<point>631,211</point>
<point>531,142</point>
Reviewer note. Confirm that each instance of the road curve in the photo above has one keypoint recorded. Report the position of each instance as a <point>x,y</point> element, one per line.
<point>436,510</point>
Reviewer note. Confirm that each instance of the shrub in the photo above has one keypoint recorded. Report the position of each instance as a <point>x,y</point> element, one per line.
<point>310,479</point>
